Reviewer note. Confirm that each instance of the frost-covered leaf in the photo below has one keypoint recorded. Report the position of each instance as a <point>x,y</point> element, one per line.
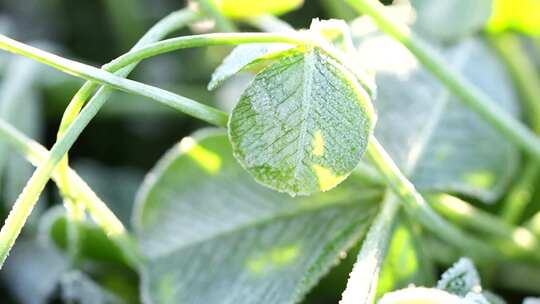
<point>242,9</point>
<point>461,279</point>
<point>438,141</point>
<point>210,234</point>
<point>242,56</point>
<point>450,20</point>
<point>420,295</point>
<point>303,124</point>
<point>523,16</point>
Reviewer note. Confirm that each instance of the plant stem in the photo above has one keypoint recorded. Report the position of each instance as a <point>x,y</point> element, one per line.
<point>519,239</point>
<point>527,81</point>
<point>417,207</point>
<point>102,215</point>
<point>26,200</point>
<point>363,279</point>
<point>164,27</point>
<point>468,93</point>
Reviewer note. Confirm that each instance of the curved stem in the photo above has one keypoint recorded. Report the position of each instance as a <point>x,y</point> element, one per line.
<point>467,93</point>
<point>162,28</point>
<point>417,206</point>
<point>518,239</point>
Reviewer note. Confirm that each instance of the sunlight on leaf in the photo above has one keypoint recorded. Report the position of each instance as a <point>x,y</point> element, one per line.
<point>273,259</point>
<point>420,295</point>
<point>481,179</point>
<point>208,160</point>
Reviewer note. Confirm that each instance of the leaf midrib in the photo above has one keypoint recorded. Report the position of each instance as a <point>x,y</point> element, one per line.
<point>286,213</point>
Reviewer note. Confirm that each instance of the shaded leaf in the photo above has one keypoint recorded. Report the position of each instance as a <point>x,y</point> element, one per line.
<point>439,142</point>
<point>210,234</point>
<point>303,123</point>
<point>451,20</point>
<point>94,243</point>
<point>242,9</point>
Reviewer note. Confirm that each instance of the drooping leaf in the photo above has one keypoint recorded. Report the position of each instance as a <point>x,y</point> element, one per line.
<point>461,279</point>
<point>523,16</point>
<point>451,20</point>
<point>210,234</point>
<point>303,124</point>
<point>242,56</point>
<point>242,9</point>
<point>438,141</point>
<point>94,243</point>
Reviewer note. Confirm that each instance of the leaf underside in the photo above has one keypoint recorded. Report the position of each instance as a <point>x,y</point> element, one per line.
<point>438,141</point>
<point>302,125</point>
<point>210,234</point>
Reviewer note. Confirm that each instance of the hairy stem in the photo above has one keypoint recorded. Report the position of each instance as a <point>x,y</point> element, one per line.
<point>363,279</point>
<point>101,214</point>
<point>26,200</point>
<point>165,26</point>
<point>467,93</point>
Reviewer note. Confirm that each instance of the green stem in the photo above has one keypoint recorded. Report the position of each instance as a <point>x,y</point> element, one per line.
<point>468,93</point>
<point>363,280</point>
<point>101,214</point>
<point>417,207</point>
<point>520,194</point>
<point>35,185</point>
<point>514,240</point>
<point>26,200</point>
<point>527,81</point>
<point>165,26</point>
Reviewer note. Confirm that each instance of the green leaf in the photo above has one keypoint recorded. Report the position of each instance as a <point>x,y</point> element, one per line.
<point>303,124</point>
<point>403,264</point>
<point>243,56</point>
<point>438,142</point>
<point>460,279</point>
<point>210,234</point>
<point>451,20</point>
<point>243,9</point>
<point>95,245</point>
<point>523,16</point>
